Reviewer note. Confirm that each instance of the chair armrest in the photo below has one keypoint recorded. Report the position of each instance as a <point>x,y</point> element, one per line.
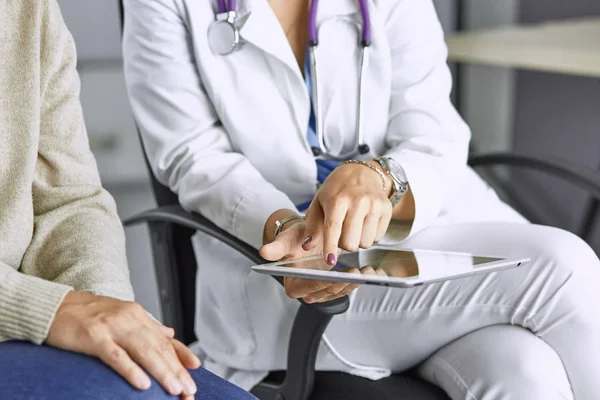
<point>580,175</point>
<point>175,214</point>
<point>309,324</point>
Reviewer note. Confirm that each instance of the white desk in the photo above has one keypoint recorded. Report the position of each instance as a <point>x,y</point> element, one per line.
<point>569,47</point>
<point>566,46</point>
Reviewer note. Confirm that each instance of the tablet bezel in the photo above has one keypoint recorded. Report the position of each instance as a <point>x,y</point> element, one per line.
<point>279,269</point>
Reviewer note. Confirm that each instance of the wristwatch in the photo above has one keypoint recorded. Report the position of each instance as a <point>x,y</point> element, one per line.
<point>399,179</point>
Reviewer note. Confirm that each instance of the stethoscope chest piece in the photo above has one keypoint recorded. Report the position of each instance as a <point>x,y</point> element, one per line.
<point>224,34</point>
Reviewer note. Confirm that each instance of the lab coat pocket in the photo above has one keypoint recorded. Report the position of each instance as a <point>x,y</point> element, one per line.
<point>223,322</point>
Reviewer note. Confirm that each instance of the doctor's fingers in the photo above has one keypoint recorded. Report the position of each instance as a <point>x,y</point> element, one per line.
<point>368,270</point>
<point>298,288</point>
<point>384,222</point>
<point>369,230</point>
<point>352,228</point>
<point>333,226</point>
<point>287,243</point>
<point>334,290</point>
<point>314,226</point>
<point>345,292</point>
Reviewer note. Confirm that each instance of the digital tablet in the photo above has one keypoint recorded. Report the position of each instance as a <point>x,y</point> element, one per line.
<point>402,268</point>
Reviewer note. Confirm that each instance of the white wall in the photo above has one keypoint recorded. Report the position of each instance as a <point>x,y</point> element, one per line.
<point>95,26</point>
<point>488,93</point>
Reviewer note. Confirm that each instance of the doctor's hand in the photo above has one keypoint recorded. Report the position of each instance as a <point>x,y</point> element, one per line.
<point>288,245</point>
<point>350,211</point>
<point>127,339</point>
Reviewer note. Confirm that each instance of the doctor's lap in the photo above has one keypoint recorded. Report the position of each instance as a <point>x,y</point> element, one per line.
<point>253,138</point>
<point>451,331</point>
<point>555,297</point>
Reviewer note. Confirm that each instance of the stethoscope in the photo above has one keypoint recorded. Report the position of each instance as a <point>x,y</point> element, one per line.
<point>224,34</point>
<point>224,38</point>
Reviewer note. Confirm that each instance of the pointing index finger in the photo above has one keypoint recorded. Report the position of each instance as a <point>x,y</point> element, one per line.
<point>333,224</point>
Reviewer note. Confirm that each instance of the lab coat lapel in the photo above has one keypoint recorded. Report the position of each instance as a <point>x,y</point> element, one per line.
<point>262,29</point>
<point>261,25</point>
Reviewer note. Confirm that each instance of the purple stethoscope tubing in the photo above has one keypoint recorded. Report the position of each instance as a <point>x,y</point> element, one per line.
<point>226,6</point>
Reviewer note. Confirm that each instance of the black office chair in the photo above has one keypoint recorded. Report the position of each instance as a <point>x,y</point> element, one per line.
<point>171,228</point>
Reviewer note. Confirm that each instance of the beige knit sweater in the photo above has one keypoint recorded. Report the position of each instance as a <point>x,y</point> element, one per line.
<point>58,228</point>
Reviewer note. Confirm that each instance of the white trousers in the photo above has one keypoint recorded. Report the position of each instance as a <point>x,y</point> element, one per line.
<point>526,333</point>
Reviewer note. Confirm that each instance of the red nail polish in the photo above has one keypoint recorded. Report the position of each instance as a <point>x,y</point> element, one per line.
<point>306,241</point>
<point>331,259</point>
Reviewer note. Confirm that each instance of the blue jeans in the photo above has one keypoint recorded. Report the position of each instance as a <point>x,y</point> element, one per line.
<point>29,372</point>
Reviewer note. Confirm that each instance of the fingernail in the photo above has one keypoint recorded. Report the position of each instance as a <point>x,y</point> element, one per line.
<point>174,386</point>
<point>190,386</point>
<point>143,382</point>
<point>331,259</point>
<point>306,241</point>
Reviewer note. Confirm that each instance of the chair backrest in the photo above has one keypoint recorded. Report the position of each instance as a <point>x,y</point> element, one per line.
<point>178,244</point>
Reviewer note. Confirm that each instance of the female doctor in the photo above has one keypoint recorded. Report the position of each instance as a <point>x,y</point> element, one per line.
<point>246,111</point>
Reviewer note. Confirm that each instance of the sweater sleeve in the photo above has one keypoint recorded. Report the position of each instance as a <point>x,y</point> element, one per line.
<point>27,305</point>
<point>78,240</point>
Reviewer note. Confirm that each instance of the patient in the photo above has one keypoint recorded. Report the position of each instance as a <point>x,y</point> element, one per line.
<point>64,284</point>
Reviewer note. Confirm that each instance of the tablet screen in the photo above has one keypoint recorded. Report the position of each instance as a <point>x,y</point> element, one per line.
<point>406,264</point>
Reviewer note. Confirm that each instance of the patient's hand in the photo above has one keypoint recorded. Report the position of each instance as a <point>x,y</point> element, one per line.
<point>289,245</point>
<point>126,338</point>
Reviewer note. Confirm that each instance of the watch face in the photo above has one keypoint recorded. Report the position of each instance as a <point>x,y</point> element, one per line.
<point>397,171</point>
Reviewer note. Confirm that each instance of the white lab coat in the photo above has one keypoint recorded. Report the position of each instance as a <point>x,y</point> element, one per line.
<point>228,134</point>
